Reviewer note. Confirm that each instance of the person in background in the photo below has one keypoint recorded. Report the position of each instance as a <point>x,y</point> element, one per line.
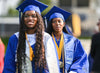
<point>94,57</point>
<point>98,24</point>
<point>2,49</point>
<point>97,28</point>
<point>72,57</point>
<point>31,50</point>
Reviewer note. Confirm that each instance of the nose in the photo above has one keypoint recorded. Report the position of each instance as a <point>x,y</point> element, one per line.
<point>30,17</point>
<point>57,23</point>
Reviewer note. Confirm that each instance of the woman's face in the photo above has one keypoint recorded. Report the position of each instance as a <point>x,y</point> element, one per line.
<point>30,19</point>
<point>58,24</point>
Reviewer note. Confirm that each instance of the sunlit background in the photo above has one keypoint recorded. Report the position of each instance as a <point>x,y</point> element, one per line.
<point>87,14</point>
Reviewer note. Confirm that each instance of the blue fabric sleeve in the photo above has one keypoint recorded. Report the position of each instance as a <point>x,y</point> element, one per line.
<point>9,62</point>
<point>80,62</point>
<point>90,62</point>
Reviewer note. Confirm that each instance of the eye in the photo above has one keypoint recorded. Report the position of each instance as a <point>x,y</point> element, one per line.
<point>26,16</point>
<point>59,21</point>
<point>33,16</point>
<point>53,21</point>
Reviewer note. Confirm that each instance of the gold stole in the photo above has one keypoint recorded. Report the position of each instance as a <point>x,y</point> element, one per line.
<point>30,48</point>
<point>59,49</point>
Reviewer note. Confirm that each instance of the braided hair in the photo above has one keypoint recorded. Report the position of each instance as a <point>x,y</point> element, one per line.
<point>39,58</point>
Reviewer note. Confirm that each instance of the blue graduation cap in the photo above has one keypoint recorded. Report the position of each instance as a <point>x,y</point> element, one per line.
<point>56,12</point>
<point>29,5</point>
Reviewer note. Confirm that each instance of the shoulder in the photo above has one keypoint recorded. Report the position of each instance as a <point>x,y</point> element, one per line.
<point>69,37</point>
<point>47,36</point>
<point>96,35</point>
<point>14,37</point>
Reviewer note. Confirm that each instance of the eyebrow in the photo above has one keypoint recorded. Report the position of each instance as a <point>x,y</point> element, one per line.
<point>29,13</point>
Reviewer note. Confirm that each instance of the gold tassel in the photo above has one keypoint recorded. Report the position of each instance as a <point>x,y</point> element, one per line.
<point>31,50</point>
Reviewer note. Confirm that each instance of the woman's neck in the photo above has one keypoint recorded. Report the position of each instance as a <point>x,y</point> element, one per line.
<point>30,31</point>
<point>57,35</point>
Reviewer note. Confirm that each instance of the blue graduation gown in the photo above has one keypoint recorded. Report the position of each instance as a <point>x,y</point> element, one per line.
<point>75,58</point>
<point>10,56</point>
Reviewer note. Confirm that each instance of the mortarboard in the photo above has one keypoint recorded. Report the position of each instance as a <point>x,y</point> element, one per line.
<point>28,5</point>
<point>31,5</point>
<point>56,12</point>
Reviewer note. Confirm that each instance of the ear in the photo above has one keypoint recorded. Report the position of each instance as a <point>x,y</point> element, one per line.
<point>64,24</point>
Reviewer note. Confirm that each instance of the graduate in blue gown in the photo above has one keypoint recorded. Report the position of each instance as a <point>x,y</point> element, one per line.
<point>31,50</point>
<point>72,57</point>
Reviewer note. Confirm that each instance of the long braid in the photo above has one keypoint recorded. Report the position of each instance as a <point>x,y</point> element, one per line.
<point>40,60</point>
<point>21,47</point>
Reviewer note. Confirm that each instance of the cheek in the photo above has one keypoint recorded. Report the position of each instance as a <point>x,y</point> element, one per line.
<point>35,19</point>
<point>53,25</point>
<point>62,24</point>
<point>25,20</point>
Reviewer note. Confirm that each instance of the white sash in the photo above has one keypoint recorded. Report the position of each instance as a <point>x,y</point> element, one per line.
<point>51,55</point>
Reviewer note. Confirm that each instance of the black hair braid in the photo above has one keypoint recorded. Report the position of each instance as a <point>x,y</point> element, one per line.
<point>40,61</point>
<point>21,47</point>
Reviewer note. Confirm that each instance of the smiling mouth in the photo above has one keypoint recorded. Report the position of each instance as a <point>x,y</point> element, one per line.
<point>58,27</point>
<point>30,23</point>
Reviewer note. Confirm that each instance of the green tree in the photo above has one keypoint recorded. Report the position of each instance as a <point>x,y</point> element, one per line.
<point>13,11</point>
<point>47,2</point>
<point>20,2</point>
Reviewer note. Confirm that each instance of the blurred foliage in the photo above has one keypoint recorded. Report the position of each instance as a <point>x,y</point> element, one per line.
<point>46,10</point>
<point>47,2</point>
<point>84,37</point>
<point>12,12</point>
<point>20,2</point>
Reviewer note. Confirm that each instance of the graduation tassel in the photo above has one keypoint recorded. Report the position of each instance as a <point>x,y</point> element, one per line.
<point>19,16</point>
<point>45,22</point>
<point>68,30</point>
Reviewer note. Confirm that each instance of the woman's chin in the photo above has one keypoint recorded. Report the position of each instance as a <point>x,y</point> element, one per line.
<point>30,27</point>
